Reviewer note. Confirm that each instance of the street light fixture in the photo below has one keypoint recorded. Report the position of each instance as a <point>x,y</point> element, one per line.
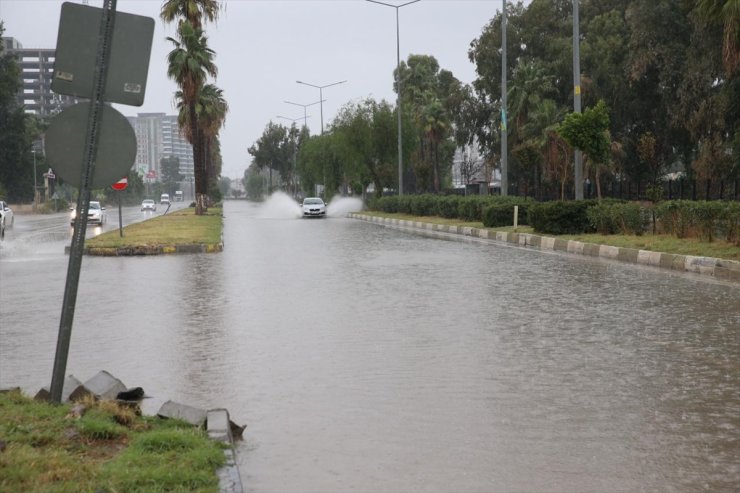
<point>398,88</point>
<point>304,106</point>
<point>321,96</point>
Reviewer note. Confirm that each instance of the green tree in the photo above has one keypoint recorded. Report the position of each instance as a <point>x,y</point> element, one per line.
<point>189,64</point>
<point>17,131</point>
<point>171,176</point>
<point>726,13</point>
<point>192,11</point>
<point>224,185</point>
<point>254,183</point>
<point>589,132</point>
<point>272,150</point>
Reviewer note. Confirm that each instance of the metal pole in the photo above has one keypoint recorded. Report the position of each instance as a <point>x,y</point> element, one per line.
<point>504,125</point>
<point>578,174</point>
<point>83,201</point>
<point>321,108</point>
<point>35,191</point>
<point>398,88</point>
<point>120,218</point>
<point>398,104</point>
<point>321,97</point>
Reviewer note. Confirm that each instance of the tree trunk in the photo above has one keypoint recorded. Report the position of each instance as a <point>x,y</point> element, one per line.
<point>198,165</point>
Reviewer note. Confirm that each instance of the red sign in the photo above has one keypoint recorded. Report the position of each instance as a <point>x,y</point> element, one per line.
<point>120,184</point>
<point>151,174</point>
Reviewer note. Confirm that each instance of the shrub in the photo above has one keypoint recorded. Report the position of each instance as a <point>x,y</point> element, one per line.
<point>708,215</point>
<point>497,214</point>
<point>471,208</point>
<point>447,206</point>
<point>729,223</point>
<point>615,217</point>
<point>424,205</point>
<point>676,217</point>
<point>561,217</point>
<point>601,217</point>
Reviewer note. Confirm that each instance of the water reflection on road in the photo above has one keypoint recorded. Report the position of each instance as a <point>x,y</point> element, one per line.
<point>369,359</point>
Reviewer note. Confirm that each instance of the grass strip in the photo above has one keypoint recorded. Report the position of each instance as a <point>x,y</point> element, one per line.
<point>655,243</point>
<point>181,227</point>
<point>109,448</point>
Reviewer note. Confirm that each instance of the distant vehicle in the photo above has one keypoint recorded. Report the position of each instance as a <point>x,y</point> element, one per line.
<point>6,215</point>
<point>164,199</point>
<point>179,197</point>
<point>148,205</point>
<point>95,214</point>
<point>313,207</point>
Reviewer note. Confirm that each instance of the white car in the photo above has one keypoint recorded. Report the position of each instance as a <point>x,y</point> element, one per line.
<point>6,215</point>
<point>313,207</point>
<point>95,215</point>
<point>148,205</point>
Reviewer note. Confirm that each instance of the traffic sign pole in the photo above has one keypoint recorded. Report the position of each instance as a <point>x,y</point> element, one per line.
<point>120,220</point>
<point>83,201</point>
<point>120,186</point>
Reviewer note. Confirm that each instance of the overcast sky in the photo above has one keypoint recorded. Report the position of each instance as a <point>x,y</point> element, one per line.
<point>263,46</point>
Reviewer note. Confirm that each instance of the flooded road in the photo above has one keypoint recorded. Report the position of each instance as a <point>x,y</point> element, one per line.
<point>367,359</point>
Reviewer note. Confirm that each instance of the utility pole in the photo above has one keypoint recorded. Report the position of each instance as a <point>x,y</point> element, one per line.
<point>578,174</point>
<point>504,126</point>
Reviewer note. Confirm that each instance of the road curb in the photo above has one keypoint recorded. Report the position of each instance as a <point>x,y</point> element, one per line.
<point>728,270</point>
<point>137,251</point>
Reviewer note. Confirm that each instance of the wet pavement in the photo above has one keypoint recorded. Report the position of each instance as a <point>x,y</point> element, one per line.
<point>369,359</point>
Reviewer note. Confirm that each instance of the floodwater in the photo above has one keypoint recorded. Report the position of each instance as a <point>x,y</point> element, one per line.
<point>368,359</point>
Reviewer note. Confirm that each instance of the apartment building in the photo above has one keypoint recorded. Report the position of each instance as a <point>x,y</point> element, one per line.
<point>37,71</point>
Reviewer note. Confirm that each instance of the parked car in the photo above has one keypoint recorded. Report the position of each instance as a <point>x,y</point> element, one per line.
<point>95,215</point>
<point>6,214</point>
<point>148,205</point>
<point>313,207</point>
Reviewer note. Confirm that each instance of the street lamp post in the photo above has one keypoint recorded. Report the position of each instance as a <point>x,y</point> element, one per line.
<point>304,106</point>
<point>578,164</point>
<point>398,88</point>
<point>321,96</point>
<point>504,123</point>
<point>35,202</point>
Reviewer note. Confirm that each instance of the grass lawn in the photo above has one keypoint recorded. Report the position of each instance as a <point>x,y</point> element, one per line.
<point>48,448</point>
<point>656,243</point>
<point>175,228</point>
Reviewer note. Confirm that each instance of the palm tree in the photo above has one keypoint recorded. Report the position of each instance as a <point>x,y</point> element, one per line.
<point>540,129</point>
<point>435,125</point>
<point>727,13</point>
<point>189,64</point>
<point>211,112</point>
<point>192,11</point>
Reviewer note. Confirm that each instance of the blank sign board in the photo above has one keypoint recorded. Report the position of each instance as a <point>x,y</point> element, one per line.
<point>76,51</point>
<point>65,145</point>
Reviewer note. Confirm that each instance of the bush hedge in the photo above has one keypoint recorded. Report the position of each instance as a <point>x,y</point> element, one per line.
<point>682,218</point>
<point>705,219</point>
<point>561,218</point>
<point>613,217</point>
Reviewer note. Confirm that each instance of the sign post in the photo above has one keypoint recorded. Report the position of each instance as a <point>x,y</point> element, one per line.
<point>120,186</point>
<point>89,42</point>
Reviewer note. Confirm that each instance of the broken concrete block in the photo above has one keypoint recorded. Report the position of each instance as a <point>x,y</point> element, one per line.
<point>105,385</point>
<point>70,385</point>
<point>193,415</point>
<point>218,425</point>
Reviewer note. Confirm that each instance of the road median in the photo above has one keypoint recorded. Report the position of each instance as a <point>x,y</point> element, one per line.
<point>177,232</point>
